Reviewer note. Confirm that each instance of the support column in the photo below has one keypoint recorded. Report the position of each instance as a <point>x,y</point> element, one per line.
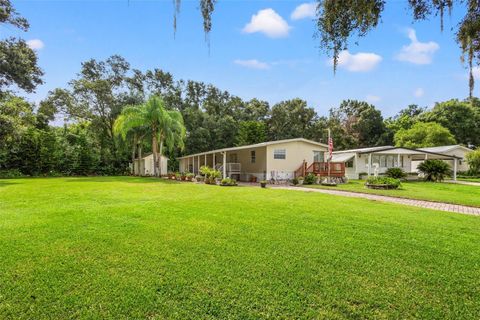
<point>188,165</point>
<point>213,161</point>
<point>455,169</point>
<point>224,164</point>
<point>198,165</point>
<point>193,165</point>
<point>205,159</point>
<point>398,161</point>
<point>369,164</point>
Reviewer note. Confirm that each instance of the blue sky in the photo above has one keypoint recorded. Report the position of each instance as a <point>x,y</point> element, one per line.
<point>257,49</point>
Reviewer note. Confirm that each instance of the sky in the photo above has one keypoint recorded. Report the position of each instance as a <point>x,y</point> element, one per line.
<point>261,49</point>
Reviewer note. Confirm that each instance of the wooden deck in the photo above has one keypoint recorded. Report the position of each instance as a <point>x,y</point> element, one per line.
<point>337,169</point>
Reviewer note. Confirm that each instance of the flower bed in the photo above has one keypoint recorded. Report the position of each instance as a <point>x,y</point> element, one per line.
<point>382,183</point>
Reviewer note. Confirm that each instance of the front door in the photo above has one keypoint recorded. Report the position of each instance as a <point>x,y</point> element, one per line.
<point>318,156</point>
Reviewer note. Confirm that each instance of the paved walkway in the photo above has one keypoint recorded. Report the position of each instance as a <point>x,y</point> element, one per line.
<point>468,183</point>
<point>409,202</point>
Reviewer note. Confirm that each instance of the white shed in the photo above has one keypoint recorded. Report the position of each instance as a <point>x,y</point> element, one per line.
<point>145,166</point>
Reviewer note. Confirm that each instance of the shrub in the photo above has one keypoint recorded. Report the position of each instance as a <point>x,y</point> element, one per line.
<point>391,183</point>
<point>434,170</point>
<point>396,173</point>
<point>473,160</point>
<point>310,179</point>
<point>10,173</point>
<point>228,182</point>
<point>295,181</point>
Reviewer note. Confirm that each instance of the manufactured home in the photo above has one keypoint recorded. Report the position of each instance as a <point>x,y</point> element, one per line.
<point>268,160</point>
<point>379,159</point>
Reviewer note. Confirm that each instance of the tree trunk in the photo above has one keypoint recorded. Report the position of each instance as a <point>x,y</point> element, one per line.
<point>133,153</point>
<point>155,154</point>
<point>140,157</point>
<point>160,158</point>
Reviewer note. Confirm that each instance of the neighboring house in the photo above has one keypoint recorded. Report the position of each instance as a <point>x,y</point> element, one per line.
<point>454,150</point>
<point>368,160</point>
<point>144,167</point>
<point>267,160</point>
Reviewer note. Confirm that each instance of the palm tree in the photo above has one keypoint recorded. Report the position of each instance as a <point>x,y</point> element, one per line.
<point>124,128</point>
<point>165,127</point>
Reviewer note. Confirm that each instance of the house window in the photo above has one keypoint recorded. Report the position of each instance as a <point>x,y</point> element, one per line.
<point>349,164</point>
<point>252,156</point>
<point>279,154</point>
<point>318,156</point>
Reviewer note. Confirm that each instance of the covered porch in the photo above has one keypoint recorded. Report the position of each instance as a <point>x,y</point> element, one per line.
<point>241,163</point>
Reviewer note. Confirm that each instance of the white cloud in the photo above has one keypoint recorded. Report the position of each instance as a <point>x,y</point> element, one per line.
<point>373,98</point>
<point>253,64</point>
<point>359,62</point>
<point>35,44</point>
<point>305,10</point>
<point>476,73</point>
<point>417,52</point>
<point>269,22</point>
<point>419,92</point>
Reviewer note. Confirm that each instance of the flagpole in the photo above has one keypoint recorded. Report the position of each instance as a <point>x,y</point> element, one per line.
<point>329,154</point>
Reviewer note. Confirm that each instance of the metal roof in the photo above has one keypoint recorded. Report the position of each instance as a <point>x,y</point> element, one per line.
<point>257,145</point>
<point>390,149</point>
<point>442,149</point>
<point>342,157</point>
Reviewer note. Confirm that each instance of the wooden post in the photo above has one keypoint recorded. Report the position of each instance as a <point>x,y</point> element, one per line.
<point>455,169</point>
<point>369,164</point>
<point>213,161</point>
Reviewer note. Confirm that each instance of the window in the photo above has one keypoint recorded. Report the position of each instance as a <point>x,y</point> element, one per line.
<point>252,156</point>
<point>318,156</point>
<point>280,154</point>
<point>349,164</point>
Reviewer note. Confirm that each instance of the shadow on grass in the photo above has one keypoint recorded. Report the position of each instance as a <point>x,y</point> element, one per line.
<point>5,183</point>
<point>127,179</point>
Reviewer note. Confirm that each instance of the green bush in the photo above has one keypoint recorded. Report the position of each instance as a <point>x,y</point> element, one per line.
<point>295,181</point>
<point>387,181</point>
<point>310,179</point>
<point>473,160</point>
<point>10,173</point>
<point>396,173</point>
<point>434,170</point>
<point>228,182</point>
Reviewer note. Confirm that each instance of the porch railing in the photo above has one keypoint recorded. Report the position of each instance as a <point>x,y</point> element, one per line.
<point>337,169</point>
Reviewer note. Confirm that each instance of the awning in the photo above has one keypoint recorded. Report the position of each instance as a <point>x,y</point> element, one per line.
<point>342,157</point>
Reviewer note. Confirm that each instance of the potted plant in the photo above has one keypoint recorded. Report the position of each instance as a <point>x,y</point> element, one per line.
<point>300,180</point>
<point>263,183</point>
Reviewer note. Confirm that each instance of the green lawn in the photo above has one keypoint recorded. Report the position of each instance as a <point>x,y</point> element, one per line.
<point>140,248</point>
<point>440,192</point>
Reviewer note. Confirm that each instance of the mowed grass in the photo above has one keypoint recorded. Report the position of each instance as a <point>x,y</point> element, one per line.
<point>440,192</point>
<point>140,248</point>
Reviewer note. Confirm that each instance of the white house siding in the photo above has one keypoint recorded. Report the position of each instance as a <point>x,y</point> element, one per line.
<point>296,153</point>
<point>462,165</point>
